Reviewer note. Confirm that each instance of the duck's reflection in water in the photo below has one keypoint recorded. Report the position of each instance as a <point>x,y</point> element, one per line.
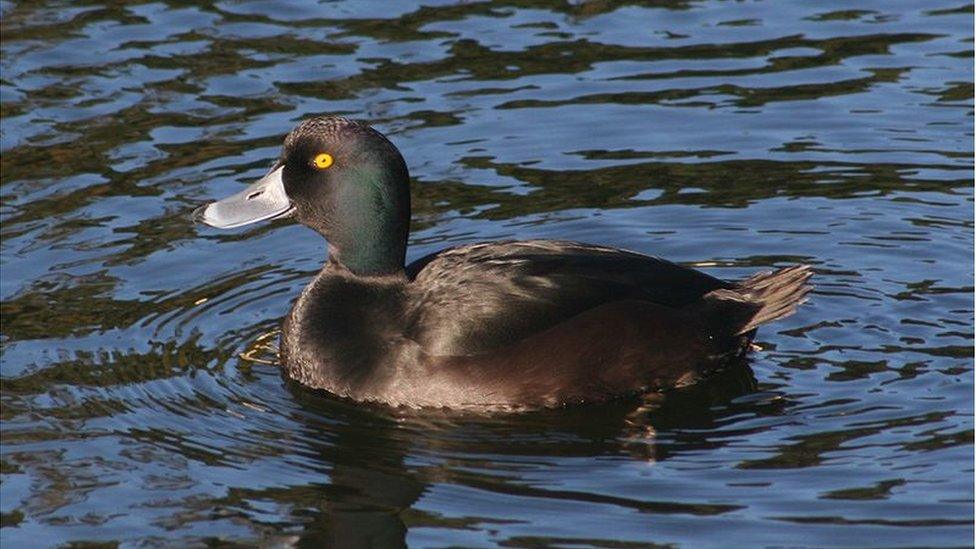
<point>381,461</point>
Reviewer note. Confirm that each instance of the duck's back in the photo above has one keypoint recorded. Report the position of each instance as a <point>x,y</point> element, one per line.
<point>477,298</point>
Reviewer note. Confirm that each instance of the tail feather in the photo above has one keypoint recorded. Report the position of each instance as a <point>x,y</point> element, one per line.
<point>764,297</point>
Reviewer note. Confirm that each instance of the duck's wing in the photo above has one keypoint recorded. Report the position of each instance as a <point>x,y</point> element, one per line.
<point>475,298</point>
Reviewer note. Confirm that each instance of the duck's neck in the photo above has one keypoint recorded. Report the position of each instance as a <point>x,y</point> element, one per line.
<point>369,259</point>
<point>370,237</point>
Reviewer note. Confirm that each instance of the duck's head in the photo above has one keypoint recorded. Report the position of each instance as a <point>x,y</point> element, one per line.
<point>341,178</point>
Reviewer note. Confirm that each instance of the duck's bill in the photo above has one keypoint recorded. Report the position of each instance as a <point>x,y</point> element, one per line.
<point>264,199</point>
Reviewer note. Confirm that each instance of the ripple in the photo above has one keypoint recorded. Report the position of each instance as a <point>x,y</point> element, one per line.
<point>142,400</point>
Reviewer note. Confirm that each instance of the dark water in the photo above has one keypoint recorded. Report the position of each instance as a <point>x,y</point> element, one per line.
<point>735,136</point>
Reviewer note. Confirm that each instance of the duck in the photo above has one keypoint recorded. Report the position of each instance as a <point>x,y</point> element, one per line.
<point>501,325</point>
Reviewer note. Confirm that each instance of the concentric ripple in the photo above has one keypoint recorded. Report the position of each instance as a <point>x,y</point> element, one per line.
<point>142,404</point>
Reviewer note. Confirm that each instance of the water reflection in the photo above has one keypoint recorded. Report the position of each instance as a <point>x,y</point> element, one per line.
<point>377,462</point>
<point>733,136</point>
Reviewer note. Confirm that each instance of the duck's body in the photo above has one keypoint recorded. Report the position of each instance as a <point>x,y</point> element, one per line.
<point>519,324</point>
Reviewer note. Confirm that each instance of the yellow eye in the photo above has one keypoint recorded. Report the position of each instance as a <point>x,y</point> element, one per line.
<point>322,160</point>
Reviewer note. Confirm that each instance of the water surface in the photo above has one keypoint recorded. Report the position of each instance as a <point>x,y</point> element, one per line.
<point>141,405</point>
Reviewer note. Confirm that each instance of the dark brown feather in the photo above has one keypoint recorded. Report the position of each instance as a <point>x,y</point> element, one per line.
<point>475,298</point>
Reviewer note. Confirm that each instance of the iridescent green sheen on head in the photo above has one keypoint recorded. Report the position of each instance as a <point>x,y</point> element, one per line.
<point>360,201</point>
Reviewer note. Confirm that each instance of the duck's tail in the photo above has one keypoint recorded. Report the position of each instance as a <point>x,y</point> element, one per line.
<point>762,298</point>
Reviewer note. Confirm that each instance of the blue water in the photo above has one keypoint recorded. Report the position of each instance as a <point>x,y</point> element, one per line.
<point>141,401</point>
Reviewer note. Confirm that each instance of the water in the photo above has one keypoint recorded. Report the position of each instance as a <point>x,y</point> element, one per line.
<point>735,136</point>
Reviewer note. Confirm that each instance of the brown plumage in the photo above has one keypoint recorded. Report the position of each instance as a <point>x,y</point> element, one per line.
<point>498,325</point>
